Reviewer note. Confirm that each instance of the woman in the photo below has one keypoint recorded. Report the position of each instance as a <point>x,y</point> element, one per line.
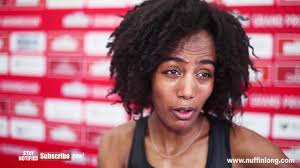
<point>187,63</point>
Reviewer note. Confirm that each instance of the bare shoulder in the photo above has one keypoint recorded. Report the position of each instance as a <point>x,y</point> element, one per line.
<point>115,145</point>
<point>243,139</point>
<point>121,132</point>
<point>246,143</point>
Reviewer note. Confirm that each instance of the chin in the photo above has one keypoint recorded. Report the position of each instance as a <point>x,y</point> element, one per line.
<point>183,125</point>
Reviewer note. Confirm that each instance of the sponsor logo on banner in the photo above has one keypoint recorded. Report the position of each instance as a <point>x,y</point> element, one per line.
<point>64,4</point>
<point>20,86</point>
<point>27,42</point>
<point>100,91</point>
<point>285,102</point>
<point>262,44</point>
<point>74,89</point>
<point>64,67</point>
<point>27,106</point>
<point>79,89</point>
<point>20,21</point>
<point>28,65</point>
<point>95,43</point>
<point>274,20</point>
<point>3,127</point>
<point>267,20</point>
<point>110,21</point>
<point>287,74</point>
<point>62,43</point>
<point>80,19</point>
<point>258,122</point>
<point>288,46</point>
<point>76,19</point>
<point>27,129</point>
<point>286,127</point>
<point>265,101</point>
<point>106,4</point>
<point>263,76</point>
<point>4,105</point>
<point>98,69</point>
<point>63,110</point>
<point>248,2</point>
<point>292,20</point>
<point>104,114</point>
<point>64,133</point>
<point>288,2</point>
<point>291,102</point>
<point>3,63</point>
<point>27,3</point>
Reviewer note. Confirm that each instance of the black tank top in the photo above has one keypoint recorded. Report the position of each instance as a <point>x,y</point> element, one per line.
<point>218,145</point>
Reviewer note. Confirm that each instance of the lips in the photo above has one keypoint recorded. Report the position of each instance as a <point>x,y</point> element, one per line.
<point>183,113</point>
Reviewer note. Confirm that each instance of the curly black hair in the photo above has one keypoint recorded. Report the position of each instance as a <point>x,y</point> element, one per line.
<point>153,29</point>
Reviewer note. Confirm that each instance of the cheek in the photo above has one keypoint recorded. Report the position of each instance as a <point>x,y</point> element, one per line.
<point>205,91</point>
<point>162,91</point>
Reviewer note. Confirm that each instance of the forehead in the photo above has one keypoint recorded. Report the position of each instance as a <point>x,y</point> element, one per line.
<point>197,45</point>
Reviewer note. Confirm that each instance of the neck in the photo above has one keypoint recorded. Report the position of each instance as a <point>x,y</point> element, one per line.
<point>170,141</point>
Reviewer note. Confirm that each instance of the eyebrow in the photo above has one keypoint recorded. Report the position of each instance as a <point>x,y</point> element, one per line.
<point>179,59</point>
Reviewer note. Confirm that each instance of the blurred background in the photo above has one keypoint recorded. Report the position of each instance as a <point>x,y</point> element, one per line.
<point>54,76</point>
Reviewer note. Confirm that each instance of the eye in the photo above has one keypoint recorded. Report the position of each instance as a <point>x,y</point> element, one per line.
<point>203,75</point>
<point>172,72</point>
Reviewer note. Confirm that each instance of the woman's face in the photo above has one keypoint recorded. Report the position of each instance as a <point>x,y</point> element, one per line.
<point>182,84</point>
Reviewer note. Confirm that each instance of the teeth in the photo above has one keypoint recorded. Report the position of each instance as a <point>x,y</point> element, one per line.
<point>181,111</point>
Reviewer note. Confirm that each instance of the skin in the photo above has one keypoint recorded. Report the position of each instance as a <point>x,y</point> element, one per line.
<point>186,79</point>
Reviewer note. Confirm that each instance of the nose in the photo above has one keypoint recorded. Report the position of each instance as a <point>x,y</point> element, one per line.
<point>186,87</point>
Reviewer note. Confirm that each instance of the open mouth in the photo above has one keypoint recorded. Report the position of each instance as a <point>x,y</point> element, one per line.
<point>183,113</point>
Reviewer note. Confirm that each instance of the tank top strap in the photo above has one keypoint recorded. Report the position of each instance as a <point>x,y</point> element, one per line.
<point>137,156</point>
<point>219,144</point>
